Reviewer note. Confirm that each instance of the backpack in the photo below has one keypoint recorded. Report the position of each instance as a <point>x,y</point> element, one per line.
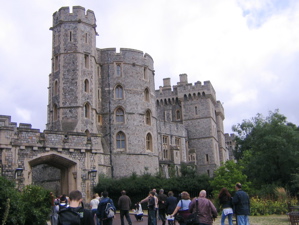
<point>109,211</point>
<point>69,216</point>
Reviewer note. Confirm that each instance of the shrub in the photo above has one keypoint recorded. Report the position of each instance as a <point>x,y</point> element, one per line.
<point>11,206</point>
<point>31,206</point>
<point>37,205</point>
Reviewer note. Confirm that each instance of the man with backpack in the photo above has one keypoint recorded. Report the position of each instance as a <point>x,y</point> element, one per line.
<point>75,214</point>
<point>106,210</point>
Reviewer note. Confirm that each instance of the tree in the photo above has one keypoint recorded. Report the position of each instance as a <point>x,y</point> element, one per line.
<point>268,148</point>
<point>227,176</point>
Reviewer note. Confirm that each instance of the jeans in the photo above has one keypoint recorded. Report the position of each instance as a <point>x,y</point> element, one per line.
<point>229,217</point>
<point>242,219</point>
<point>127,215</point>
<point>152,217</point>
<point>95,218</point>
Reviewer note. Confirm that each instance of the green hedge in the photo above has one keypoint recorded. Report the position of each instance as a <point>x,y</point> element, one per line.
<point>30,207</point>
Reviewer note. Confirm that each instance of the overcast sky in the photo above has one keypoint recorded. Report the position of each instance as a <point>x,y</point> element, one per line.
<point>248,49</point>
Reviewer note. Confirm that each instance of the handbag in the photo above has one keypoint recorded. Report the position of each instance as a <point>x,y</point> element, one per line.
<point>178,216</point>
<point>193,218</point>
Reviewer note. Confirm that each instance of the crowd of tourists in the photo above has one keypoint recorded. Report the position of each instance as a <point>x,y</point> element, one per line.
<point>69,210</point>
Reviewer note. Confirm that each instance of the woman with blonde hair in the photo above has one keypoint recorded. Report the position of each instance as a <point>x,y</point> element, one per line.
<point>182,208</point>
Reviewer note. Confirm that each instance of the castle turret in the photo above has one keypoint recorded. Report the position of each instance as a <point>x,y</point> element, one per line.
<point>129,110</point>
<point>73,81</point>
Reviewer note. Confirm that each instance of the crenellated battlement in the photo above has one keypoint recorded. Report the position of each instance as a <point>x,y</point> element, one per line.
<point>78,15</point>
<point>183,89</point>
<point>133,56</point>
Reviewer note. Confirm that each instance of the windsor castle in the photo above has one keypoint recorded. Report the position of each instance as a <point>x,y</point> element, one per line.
<point>104,116</point>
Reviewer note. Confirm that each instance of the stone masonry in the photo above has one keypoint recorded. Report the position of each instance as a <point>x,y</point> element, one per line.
<point>105,116</point>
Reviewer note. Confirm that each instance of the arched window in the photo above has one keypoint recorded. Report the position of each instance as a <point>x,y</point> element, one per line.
<point>178,115</point>
<point>86,85</point>
<point>148,117</point>
<point>55,87</point>
<point>120,140</point>
<point>149,142</point>
<point>120,115</point>
<point>87,110</point>
<point>146,95</point>
<point>119,92</point>
<point>55,112</point>
<point>118,70</point>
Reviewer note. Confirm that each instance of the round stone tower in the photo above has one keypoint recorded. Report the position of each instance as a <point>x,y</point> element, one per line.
<point>128,111</point>
<point>73,82</point>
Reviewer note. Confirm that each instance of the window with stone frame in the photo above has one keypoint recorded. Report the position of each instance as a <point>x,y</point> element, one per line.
<point>55,87</point>
<point>100,119</point>
<point>207,158</point>
<point>165,147</point>
<point>146,95</point>
<point>86,85</point>
<point>191,157</point>
<point>119,92</point>
<point>178,142</point>
<point>145,77</point>
<point>118,69</point>
<point>178,114</point>
<point>148,117</point>
<point>87,110</point>
<point>149,142</point>
<point>55,112</point>
<point>120,115</point>
<point>86,61</point>
<point>56,63</point>
<point>120,140</point>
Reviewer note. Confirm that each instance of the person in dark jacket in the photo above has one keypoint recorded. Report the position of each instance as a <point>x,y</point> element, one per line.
<point>225,201</point>
<point>241,204</point>
<point>101,209</point>
<point>124,204</point>
<point>75,214</point>
<point>162,207</point>
<point>170,205</point>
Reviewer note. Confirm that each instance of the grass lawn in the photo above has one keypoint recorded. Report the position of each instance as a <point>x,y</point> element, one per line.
<point>263,220</point>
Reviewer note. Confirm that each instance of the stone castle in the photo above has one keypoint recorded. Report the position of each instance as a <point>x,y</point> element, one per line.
<point>104,116</point>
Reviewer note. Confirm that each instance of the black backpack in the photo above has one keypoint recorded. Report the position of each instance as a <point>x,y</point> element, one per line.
<point>70,216</point>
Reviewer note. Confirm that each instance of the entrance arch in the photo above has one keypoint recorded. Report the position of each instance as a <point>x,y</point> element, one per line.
<point>67,167</point>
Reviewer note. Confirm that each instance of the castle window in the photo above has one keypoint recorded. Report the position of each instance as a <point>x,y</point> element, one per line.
<point>178,142</point>
<point>86,39</point>
<point>146,95</point>
<point>71,36</point>
<point>148,117</point>
<point>145,73</point>
<point>120,115</point>
<point>207,158</point>
<point>86,85</point>
<point>100,119</point>
<point>165,147</point>
<point>87,110</point>
<point>195,109</point>
<point>118,70</point>
<point>119,92</point>
<point>120,140</point>
<point>86,61</point>
<point>55,87</point>
<point>178,115</point>
<point>56,63</point>
<point>149,142</point>
<point>55,112</point>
